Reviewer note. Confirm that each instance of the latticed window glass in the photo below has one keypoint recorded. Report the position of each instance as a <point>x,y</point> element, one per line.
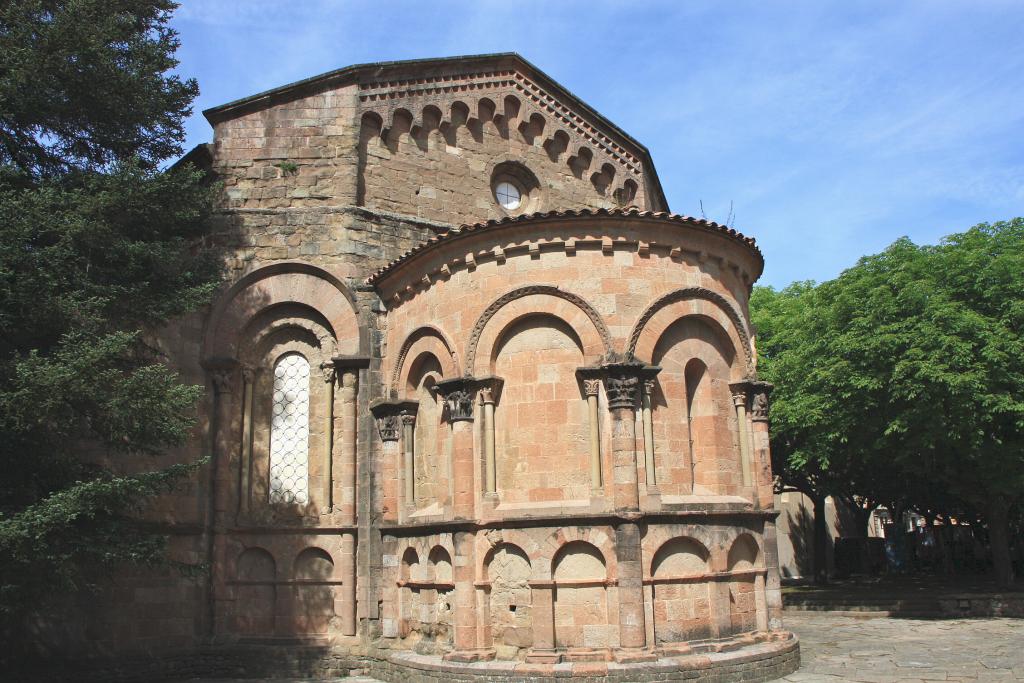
<point>508,195</point>
<point>289,431</point>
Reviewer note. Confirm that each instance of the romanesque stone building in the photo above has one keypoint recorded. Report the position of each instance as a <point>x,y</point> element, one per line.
<point>478,404</point>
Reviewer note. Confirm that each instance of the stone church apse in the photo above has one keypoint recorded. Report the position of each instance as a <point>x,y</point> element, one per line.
<point>479,405</point>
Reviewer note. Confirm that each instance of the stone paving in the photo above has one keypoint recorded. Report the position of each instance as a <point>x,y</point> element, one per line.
<point>891,650</point>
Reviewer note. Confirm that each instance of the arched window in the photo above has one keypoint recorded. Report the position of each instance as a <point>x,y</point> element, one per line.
<point>289,431</point>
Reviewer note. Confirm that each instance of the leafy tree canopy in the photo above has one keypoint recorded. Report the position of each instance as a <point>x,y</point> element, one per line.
<point>903,378</point>
<point>98,249</point>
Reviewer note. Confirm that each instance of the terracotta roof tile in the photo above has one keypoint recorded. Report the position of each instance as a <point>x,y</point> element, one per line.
<point>559,215</point>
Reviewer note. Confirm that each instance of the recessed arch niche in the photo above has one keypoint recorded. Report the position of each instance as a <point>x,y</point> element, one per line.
<point>695,427</point>
<point>510,600</point>
<point>255,593</point>
<point>442,607</point>
<point>579,574</point>
<point>313,604</point>
<point>743,588</point>
<point>274,286</point>
<point>541,419</point>
<point>430,437</point>
<point>681,604</point>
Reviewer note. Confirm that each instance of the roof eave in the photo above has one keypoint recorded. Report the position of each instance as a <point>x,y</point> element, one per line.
<point>394,268</point>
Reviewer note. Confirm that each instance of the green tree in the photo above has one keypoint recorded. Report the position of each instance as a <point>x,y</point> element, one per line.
<point>806,455</point>
<point>903,378</point>
<point>98,249</point>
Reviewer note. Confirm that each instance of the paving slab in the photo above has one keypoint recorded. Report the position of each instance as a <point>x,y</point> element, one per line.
<point>896,650</point>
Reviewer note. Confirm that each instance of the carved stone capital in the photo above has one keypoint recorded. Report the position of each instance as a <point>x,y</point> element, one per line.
<point>222,373</point>
<point>390,415</point>
<point>622,390</point>
<point>740,392</point>
<point>624,381</point>
<point>489,389</point>
<point>458,397</point>
<point>388,426</point>
<point>249,374</point>
<point>759,405</point>
<point>328,372</point>
<point>408,419</point>
<point>591,378</point>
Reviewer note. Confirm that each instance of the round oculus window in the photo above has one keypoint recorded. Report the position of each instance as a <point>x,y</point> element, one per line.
<point>508,195</point>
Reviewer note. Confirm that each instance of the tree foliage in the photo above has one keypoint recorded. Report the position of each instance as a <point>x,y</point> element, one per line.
<point>84,85</point>
<point>98,249</point>
<point>902,380</point>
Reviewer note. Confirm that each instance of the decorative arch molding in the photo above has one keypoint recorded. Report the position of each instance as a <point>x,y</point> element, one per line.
<point>426,338</point>
<point>736,332</point>
<point>257,340</point>
<point>289,282</point>
<point>549,290</point>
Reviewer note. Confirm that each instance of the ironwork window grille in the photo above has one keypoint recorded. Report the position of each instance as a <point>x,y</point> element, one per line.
<point>289,431</point>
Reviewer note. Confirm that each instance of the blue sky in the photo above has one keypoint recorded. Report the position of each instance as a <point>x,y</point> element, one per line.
<point>832,128</point>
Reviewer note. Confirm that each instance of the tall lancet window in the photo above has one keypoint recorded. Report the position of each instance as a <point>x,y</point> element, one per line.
<point>289,431</point>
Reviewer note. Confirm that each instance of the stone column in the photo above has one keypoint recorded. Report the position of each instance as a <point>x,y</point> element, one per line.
<point>347,565</point>
<point>720,598</point>
<point>761,450</point>
<point>395,423</point>
<point>349,469</point>
<point>327,496</point>
<point>622,383</point>
<point>347,499</point>
<point>739,400</point>
<point>408,456</point>
<point>223,373</point>
<point>761,604</point>
<point>760,392</point>
<point>342,480</point>
<point>591,387</point>
<point>490,387</point>
<point>632,612</point>
<point>648,418</point>
<point>245,466</point>
<point>483,613</point>
<point>458,397</point>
